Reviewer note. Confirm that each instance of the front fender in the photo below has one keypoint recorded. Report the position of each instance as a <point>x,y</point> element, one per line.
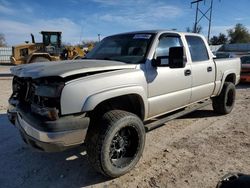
<point>84,94</point>
<point>93,100</point>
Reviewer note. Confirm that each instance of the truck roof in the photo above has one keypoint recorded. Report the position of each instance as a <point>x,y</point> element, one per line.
<point>157,31</point>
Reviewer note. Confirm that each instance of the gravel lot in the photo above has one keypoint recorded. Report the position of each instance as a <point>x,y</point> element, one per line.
<point>192,151</point>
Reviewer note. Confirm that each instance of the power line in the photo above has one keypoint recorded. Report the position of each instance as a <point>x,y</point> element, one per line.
<point>210,20</point>
<point>199,15</point>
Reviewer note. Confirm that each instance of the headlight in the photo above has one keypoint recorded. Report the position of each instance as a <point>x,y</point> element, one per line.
<point>49,90</point>
<point>46,97</point>
<point>15,85</point>
<point>49,113</point>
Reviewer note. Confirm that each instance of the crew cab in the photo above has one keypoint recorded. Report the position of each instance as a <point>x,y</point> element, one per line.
<point>107,99</point>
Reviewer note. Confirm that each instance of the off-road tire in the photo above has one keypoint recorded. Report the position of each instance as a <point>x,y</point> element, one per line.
<point>103,138</point>
<point>224,103</point>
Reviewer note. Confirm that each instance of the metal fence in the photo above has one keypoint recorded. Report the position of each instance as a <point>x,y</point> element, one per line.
<point>5,54</point>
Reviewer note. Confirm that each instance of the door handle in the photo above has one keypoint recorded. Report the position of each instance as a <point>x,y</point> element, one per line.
<point>187,72</point>
<point>209,69</point>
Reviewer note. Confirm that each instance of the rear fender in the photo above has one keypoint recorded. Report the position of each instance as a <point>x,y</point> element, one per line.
<point>224,77</point>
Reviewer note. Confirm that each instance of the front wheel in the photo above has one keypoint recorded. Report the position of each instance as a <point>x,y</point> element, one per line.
<point>116,145</point>
<point>224,103</point>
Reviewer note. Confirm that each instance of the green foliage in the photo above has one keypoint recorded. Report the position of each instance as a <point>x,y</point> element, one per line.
<point>239,34</point>
<point>217,40</point>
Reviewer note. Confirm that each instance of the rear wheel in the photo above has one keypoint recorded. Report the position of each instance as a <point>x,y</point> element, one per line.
<point>115,146</point>
<point>224,103</point>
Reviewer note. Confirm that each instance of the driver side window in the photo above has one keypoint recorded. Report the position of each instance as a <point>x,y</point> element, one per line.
<point>162,50</point>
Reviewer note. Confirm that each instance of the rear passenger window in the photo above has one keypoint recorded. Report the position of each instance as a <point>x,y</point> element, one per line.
<point>197,48</point>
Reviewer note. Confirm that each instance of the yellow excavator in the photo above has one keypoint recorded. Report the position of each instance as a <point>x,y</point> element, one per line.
<point>50,49</point>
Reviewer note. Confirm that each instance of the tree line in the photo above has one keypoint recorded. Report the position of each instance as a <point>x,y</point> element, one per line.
<point>238,34</point>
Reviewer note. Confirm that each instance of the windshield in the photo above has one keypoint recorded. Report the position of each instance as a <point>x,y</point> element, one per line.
<point>128,48</point>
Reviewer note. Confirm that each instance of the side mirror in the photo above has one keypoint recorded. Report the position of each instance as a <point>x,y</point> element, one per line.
<point>176,57</point>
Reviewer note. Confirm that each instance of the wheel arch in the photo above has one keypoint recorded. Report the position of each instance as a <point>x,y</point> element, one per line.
<point>35,55</point>
<point>228,76</point>
<point>133,100</point>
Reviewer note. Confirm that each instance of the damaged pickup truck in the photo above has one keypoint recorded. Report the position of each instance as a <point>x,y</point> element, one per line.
<point>128,84</point>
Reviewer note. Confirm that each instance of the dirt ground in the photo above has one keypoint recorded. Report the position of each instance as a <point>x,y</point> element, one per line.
<point>192,151</point>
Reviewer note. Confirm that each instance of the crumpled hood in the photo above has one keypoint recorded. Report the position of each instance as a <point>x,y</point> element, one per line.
<point>67,68</point>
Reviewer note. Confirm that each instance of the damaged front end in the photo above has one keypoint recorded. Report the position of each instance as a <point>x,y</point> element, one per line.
<point>34,108</point>
<point>40,97</point>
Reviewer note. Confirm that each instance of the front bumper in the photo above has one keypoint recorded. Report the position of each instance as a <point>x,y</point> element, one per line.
<point>52,136</point>
<point>12,113</point>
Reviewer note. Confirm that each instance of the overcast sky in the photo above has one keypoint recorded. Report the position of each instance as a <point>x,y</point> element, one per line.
<point>84,19</point>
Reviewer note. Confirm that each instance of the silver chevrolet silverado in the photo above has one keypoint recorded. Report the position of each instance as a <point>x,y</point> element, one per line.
<point>128,84</point>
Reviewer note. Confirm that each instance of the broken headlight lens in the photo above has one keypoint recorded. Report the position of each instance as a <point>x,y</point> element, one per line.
<point>53,90</point>
<point>49,113</point>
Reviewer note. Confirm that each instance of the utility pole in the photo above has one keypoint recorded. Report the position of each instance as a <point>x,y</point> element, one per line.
<point>203,14</point>
<point>196,13</point>
<point>99,37</point>
<point>210,20</point>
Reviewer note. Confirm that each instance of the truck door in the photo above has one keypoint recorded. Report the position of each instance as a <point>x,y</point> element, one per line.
<point>168,88</point>
<point>203,69</point>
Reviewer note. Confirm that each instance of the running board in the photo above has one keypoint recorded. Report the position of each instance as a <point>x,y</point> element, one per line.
<point>158,122</point>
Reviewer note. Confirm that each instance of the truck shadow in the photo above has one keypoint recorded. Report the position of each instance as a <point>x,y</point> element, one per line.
<point>23,167</point>
<point>200,114</point>
<point>243,85</point>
